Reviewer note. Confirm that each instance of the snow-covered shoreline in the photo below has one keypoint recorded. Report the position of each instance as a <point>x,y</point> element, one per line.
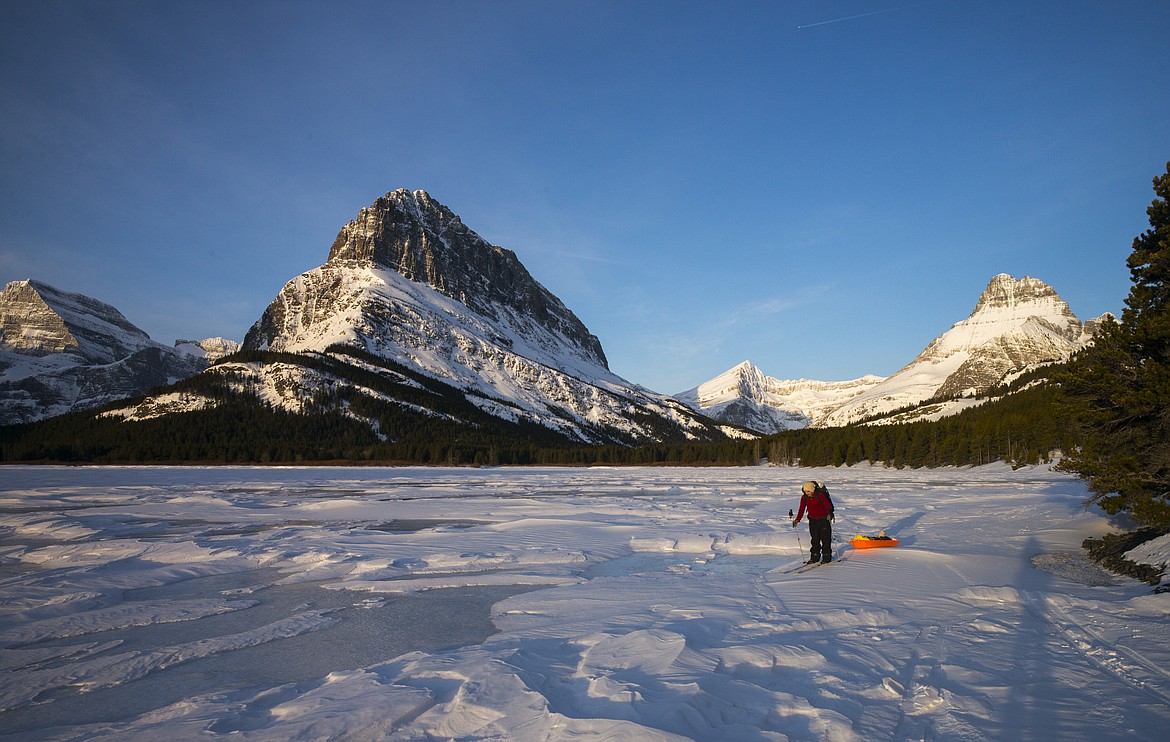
<point>539,603</point>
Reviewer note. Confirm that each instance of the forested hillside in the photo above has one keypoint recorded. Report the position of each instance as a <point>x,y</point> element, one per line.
<point>1026,426</point>
<point>243,427</point>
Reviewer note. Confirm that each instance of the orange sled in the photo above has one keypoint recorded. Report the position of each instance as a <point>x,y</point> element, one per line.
<point>873,542</point>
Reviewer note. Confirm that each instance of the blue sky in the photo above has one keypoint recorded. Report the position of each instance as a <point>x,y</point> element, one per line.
<point>818,186</point>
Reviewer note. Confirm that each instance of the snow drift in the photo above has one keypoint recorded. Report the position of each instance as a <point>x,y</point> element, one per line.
<point>531,604</point>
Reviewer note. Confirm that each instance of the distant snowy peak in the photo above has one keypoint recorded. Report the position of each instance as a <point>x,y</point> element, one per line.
<point>743,395</point>
<point>62,352</point>
<point>210,348</point>
<point>1016,325</point>
<point>1008,306</point>
<point>38,319</point>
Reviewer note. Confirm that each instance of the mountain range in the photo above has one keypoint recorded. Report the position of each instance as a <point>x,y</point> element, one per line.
<point>414,317</point>
<point>1016,326</point>
<point>407,286</point>
<point>745,396</point>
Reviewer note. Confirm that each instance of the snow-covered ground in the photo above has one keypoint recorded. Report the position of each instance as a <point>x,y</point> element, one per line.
<point>540,604</point>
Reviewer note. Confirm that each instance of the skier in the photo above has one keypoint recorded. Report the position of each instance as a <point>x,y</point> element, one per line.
<point>820,515</point>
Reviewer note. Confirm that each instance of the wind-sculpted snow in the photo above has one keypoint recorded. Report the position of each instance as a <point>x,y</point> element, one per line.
<point>534,604</point>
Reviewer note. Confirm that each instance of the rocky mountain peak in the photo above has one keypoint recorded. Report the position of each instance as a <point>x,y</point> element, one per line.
<point>408,284</point>
<point>424,241</point>
<point>398,229</point>
<point>61,352</point>
<point>38,319</point>
<point>744,375</point>
<point>745,396</point>
<point>28,325</point>
<point>1016,325</point>
<point>747,368</point>
<point>1010,307</point>
<point>1006,293</point>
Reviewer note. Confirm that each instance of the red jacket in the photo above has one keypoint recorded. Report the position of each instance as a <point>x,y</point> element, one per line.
<point>819,505</point>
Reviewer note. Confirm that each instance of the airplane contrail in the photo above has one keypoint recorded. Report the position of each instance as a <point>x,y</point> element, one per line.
<point>861,15</point>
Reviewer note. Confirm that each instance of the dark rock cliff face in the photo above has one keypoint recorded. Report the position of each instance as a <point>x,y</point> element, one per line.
<point>424,241</point>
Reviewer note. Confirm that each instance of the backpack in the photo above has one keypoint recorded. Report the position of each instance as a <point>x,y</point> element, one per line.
<point>822,492</point>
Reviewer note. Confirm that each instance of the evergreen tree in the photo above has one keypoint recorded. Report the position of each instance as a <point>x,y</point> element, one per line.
<point>1119,388</point>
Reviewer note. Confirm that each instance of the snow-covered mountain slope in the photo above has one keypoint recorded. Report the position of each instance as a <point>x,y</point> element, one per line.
<point>1016,325</point>
<point>37,319</point>
<point>745,396</point>
<point>211,348</point>
<point>408,282</point>
<point>61,352</point>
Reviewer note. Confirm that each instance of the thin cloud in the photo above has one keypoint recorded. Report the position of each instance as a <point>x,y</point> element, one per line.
<point>688,352</point>
<point>753,312</point>
<point>864,15</point>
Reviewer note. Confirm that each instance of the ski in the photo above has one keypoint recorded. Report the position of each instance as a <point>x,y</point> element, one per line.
<point>805,567</point>
<point>799,567</point>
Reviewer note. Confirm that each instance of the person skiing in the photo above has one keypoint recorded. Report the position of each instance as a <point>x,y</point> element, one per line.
<point>819,505</point>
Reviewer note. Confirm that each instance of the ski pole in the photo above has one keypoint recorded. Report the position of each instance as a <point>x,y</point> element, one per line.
<point>832,533</point>
<point>793,519</point>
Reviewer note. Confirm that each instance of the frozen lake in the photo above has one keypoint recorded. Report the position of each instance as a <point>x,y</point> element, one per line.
<point>548,603</point>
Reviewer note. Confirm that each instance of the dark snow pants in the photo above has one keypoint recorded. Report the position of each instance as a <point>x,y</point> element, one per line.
<point>820,530</point>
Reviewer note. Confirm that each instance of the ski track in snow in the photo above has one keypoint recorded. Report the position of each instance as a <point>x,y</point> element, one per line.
<point>607,603</point>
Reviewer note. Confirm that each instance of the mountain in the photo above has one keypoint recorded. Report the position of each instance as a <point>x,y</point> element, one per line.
<point>417,327</point>
<point>409,279</point>
<point>744,396</point>
<point>409,290</point>
<point>212,349</point>
<point>62,352</point>
<point>1016,326</point>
